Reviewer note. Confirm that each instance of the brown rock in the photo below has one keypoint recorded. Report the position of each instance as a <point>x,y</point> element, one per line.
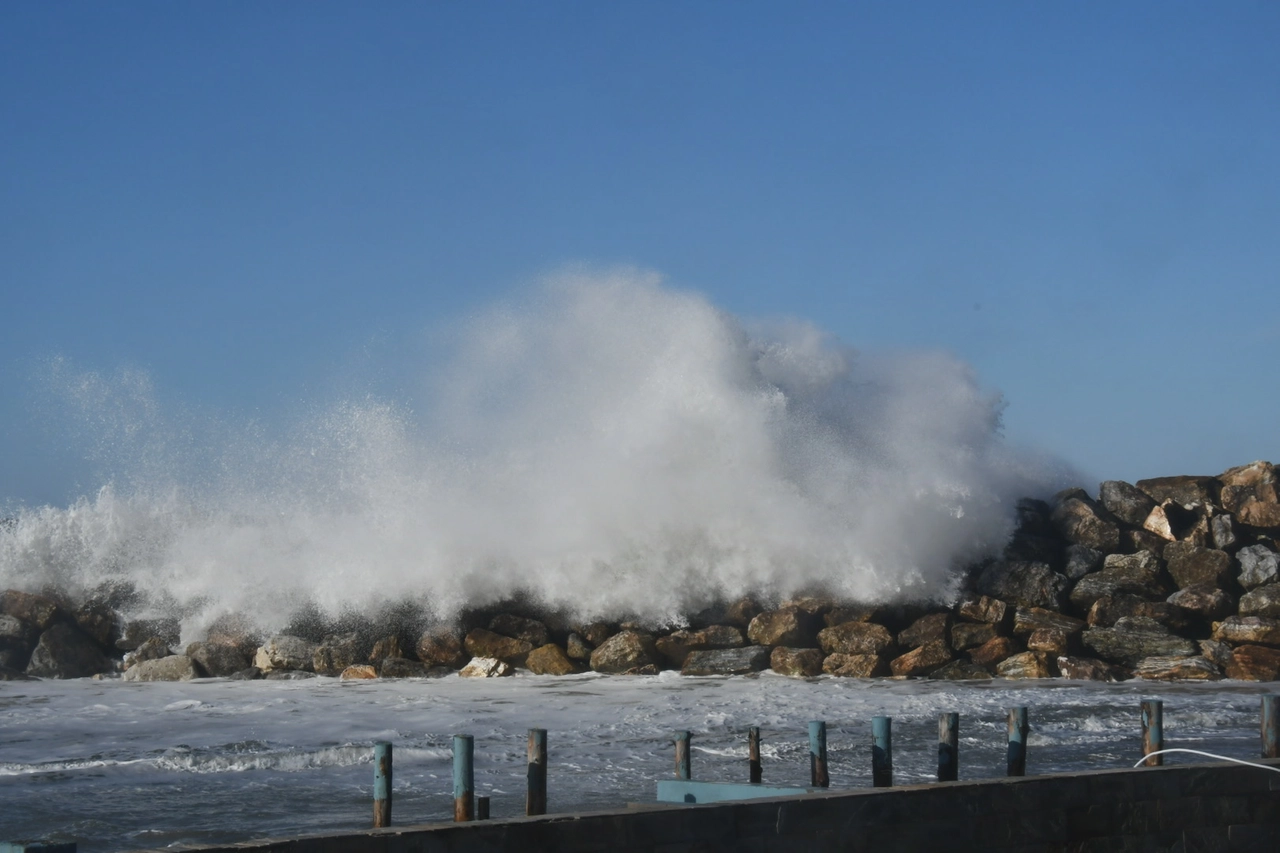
<point>358,672</point>
<point>787,626</point>
<point>441,646</point>
<point>482,643</point>
<point>852,613</point>
<point>1248,630</point>
<point>1191,668</point>
<point>1029,619</point>
<point>984,609</point>
<point>969,635</point>
<point>1049,640</point>
<point>676,646</point>
<point>798,662</point>
<point>926,629</point>
<point>1138,574</point>
<point>1024,584</point>
<point>401,668</point>
<point>387,647</point>
<point>1204,602</point>
<point>1110,609</point>
<point>486,668</point>
<point>856,638</point>
<point>1190,565</point>
<point>626,650</point>
<point>577,648</point>
<point>170,668</point>
<point>1026,665</point>
<point>1183,490</point>
<point>99,622</point>
<point>1216,651</point>
<point>38,611</point>
<point>960,670</point>
<point>1126,502</point>
<point>531,631</point>
<point>550,659</point>
<point>740,613</point>
<point>335,654</point>
<point>595,633</point>
<point>1082,522</point>
<point>1254,663</point>
<point>217,659</point>
<point>1086,669</point>
<point>991,653</point>
<point>923,660</point>
<point>1252,475</point>
<point>1265,516</point>
<point>853,666</point>
<point>1133,541</point>
<point>1263,601</point>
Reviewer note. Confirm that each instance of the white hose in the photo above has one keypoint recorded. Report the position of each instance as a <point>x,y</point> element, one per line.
<point>1210,755</point>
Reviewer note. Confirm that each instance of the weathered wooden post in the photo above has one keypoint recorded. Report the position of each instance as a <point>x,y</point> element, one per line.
<point>1270,724</point>
<point>1152,731</point>
<point>753,754</point>
<point>683,767</point>
<point>1016,758</point>
<point>464,778</point>
<point>948,747</point>
<point>882,752</point>
<point>381,784</point>
<point>482,808</point>
<point>818,777</point>
<point>535,801</point>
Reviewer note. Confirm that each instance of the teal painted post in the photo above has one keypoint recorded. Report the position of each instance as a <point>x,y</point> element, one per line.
<point>535,801</point>
<point>1270,723</point>
<point>381,784</point>
<point>1016,759</point>
<point>684,769</point>
<point>464,778</point>
<point>1152,731</point>
<point>882,752</point>
<point>948,747</point>
<point>753,754</point>
<point>818,777</point>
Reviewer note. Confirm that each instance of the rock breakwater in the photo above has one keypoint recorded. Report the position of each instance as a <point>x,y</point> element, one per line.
<point>1173,578</point>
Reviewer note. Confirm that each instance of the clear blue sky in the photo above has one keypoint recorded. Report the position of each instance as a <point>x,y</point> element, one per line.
<point>1082,200</point>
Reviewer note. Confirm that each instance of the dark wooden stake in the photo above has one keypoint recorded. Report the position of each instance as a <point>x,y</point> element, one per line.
<point>1270,723</point>
<point>753,754</point>
<point>464,784</point>
<point>1016,759</point>
<point>535,801</point>
<point>381,784</point>
<point>1152,731</point>
<point>684,769</point>
<point>882,752</point>
<point>948,747</point>
<point>818,777</point>
<point>482,808</point>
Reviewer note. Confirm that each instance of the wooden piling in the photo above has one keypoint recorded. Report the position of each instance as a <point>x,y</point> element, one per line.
<point>948,747</point>
<point>1152,731</point>
<point>684,769</point>
<point>1270,724</point>
<point>753,754</point>
<point>464,784</point>
<point>882,752</point>
<point>818,776</point>
<point>535,802</point>
<point>381,784</point>
<point>482,808</point>
<point>1016,759</point>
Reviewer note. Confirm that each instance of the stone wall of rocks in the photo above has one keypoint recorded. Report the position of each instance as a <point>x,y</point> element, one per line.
<point>1175,578</point>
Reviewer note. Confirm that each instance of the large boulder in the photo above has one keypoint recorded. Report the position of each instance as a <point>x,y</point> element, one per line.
<point>1259,565</point>
<point>1049,640</point>
<point>98,620</point>
<point>1110,609</point>
<point>1258,474</point>
<point>1263,601</point>
<point>1133,639</point>
<point>1265,516</point>
<point>441,646</point>
<point>285,652</point>
<point>217,659</point>
<point>856,638</point>
<point>67,652</point>
<point>1126,502</point>
<point>358,672</point>
<point>1027,620</point>
<point>531,631</point>
<point>1026,665</point>
<point>38,612</point>
<point>1190,565</point>
<point>970,635</point>
<point>984,608</point>
<point>17,638</point>
<point>337,652</point>
<point>1081,560</point>
<point>1024,584</point>
<point>624,651</point>
<point>1248,630</point>
<point>1082,522</point>
<point>1184,490</point>
<point>482,643</point>
<point>1254,663</point>
<point>853,666</point>
<point>1086,669</point>
<point>675,647</point>
<point>786,626</point>
<point>1207,603</point>
<point>577,648</point>
<point>798,662</point>
<point>171,668</point>
<point>1138,574</point>
<point>550,659</point>
<point>992,652</point>
<point>923,660</point>
<point>738,661</point>
<point>387,647</point>
<point>153,649</point>
<point>1192,668</point>
<point>486,668</point>
<point>926,629</point>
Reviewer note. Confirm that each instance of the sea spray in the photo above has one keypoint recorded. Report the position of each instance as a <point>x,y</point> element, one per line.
<point>607,445</point>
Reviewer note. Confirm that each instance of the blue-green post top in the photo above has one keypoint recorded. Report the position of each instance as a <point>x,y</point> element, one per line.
<point>382,770</point>
<point>463,765</point>
<point>1016,761</point>
<point>882,752</point>
<point>1152,731</point>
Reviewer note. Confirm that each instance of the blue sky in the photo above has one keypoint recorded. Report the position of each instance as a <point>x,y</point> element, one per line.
<point>244,200</point>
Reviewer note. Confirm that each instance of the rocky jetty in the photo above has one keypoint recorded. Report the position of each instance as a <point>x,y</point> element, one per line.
<point>1174,578</point>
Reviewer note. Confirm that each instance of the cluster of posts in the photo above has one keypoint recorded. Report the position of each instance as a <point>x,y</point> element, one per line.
<point>467,806</point>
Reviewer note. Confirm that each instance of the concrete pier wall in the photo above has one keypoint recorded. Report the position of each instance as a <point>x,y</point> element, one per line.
<point>1207,807</point>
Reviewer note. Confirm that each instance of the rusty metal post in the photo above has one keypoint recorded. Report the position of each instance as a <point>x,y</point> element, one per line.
<point>948,747</point>
<point>1152,731</point>
<point>464,778</point>
<point>535,802</point>
<point>1270,724</point>
<point>1016,758</point>
<point>684,769</point>
<point>381,784</point>
<point>753,754</point>
<point>882,752</point>
<point>818,776</point>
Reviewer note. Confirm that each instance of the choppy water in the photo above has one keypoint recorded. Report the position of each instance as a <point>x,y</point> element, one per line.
<point>117,766</point>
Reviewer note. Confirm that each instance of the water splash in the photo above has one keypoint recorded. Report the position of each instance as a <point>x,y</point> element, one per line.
<point>609,446</point>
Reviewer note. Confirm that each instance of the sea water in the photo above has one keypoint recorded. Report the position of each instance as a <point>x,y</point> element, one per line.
<point>117,766</point>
